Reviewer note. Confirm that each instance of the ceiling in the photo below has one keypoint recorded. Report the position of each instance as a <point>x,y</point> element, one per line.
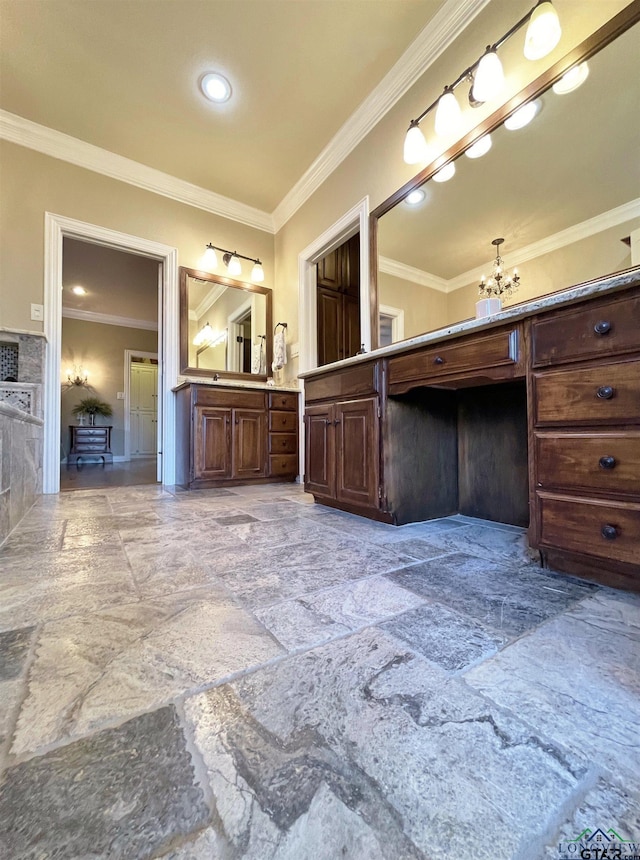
<point>123,75</point>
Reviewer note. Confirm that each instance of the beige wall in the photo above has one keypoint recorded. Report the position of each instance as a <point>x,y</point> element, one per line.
<point>33,184</point>
<point>99,349</point>
<point>425,309</point>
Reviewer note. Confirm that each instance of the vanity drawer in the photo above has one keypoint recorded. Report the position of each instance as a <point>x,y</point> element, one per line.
<point>598,461</point>
<point>602,529</point>
<point>284,401</point>
<point>605,393</point>
<point>283,465</point>
<point>234,397</point>
<point>456,357</point>
<point>283,421</point>
<point>283,443</point>
<point>600,330</point>
<point>351,382</point>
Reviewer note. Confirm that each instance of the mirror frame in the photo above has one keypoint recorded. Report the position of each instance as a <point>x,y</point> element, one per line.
<point>616,26</point>
<point>185,369</point>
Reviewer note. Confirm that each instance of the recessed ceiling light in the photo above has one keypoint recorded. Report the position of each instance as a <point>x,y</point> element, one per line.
<point>414,197</point>
<point>216,87</point>
<point>522,116</point>
<point>480,148</point>
<point>444,173</point>
<point>571,80</point>
<point>79,291</point>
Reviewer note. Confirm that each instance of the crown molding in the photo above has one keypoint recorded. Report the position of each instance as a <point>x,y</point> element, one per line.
<point>555,242</point>
<point>410,273</point>
<point>210,299</point>
<point>32,135</point>
<point>446,25</point>
<point>108,319</point>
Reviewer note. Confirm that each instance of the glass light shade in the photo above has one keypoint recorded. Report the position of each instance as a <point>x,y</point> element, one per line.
<point>543,32</point>
<point>522,116</point>
<point>414,197</point>
<point>234,266</point>
<point>571,80</point>
<point>448,114</point>
<point>257,273</point>
<point>78,290</point>
<point>415,146</point>
<point>480,148</point>
<point>445,173</point>
<point>210,259</point>
<point>489,78</point>
<point>216,87</point>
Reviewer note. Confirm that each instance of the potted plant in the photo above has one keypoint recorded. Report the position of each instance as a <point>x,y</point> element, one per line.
<point>91,406</point>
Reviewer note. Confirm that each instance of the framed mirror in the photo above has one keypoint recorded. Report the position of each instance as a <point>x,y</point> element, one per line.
<point>562,191</point>
<point>226,327</point>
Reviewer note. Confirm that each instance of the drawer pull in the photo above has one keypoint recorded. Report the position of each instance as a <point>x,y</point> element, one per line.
<point>605,392</point>
<point>607,462</point>
<point>438,360</point>
<point>609,532</point>
<point>602,327</point>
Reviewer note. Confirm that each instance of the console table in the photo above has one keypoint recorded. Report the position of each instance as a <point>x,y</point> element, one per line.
<point>89,442</point>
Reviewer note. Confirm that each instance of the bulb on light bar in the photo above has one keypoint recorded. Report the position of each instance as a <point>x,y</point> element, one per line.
<point>489,77</point>
<point>479,148</point>
<point>234,266</point>
<point>210,258</point>
<point>416,148</point>
<point>522,116</point>
<point>445,173</point>
<point>448,114</point>
<point>571,80</point>
<point>257,273</point>
<point>543,32</point>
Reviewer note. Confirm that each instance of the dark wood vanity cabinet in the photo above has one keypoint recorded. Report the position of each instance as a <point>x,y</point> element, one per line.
<point>235,435</point>
<point>342,430</point>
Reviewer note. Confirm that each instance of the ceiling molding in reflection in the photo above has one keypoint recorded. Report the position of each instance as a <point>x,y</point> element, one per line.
<point>109,319</point>
<point>210,299</point>
<point>443,29</point>
<point>555,242</point>
<point>55,144</point>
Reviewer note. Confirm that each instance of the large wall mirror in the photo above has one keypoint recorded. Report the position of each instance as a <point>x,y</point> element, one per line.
<point>225,326</point>
<point>563,192</point>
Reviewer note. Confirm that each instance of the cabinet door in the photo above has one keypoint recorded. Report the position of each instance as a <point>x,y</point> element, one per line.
<point>319,451</point>
<point>333,271</point>
<point>350,326</point>
<point>249,443</point>
<point>357,451</point>
<point>212,442</point>
<point>330,326</point>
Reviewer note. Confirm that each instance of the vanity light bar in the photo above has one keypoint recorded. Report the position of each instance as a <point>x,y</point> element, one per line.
<point>489,77</point>
<point>231,259</point>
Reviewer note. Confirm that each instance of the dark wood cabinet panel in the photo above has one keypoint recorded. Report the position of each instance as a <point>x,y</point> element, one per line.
<point>350,382</point>
<point>249,444</point>
<point>351,326</point>
<point>338,303</point>
<point>330,312</point>
<point>212,443</point>
<point>357,452</point>
<point>333,269</point>
<point>320,451</point>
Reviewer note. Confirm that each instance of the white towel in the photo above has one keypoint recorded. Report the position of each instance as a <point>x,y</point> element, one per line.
<point>257,357</point>
<point>279,349</point>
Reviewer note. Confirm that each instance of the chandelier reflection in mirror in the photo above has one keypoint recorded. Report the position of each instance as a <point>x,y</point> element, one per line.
<point>499,283</point>
<point>486,79</point>
<point>231,260</point>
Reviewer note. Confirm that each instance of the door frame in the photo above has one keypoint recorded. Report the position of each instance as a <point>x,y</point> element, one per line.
<point>128,354</point>
<point>56,228</point>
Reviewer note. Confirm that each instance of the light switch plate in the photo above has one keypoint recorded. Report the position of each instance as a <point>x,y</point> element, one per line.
<point>37,312</point>
<point>120,395</point>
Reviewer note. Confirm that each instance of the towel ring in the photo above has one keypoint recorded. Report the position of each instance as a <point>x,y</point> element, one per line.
<point>284,325</point>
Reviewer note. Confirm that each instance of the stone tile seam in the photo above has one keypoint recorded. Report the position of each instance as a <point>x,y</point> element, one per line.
<point>6,757</point>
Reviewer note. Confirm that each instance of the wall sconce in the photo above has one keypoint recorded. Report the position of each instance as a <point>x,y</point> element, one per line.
<point>77,376</point>
<point>486,77</point>
<point>208,337</point>
<point>231,259</point>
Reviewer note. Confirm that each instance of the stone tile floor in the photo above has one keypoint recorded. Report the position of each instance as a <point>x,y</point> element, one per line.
<point>242,673</point>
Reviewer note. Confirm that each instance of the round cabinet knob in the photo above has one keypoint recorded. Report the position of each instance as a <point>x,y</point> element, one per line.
<point>602,327</point>
<point>607,462</point>
<point>438,360</point>
<point>605,392</point>
<point>609,532</point>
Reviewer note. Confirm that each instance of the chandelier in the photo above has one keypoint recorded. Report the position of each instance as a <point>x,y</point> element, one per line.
<point>499,283</point>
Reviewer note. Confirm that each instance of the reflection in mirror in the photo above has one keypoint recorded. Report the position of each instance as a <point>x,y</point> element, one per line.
<point>224,325</point>
<point>563,191</point>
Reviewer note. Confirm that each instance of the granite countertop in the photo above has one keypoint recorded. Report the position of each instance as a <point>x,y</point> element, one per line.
<point>616,281</point>
<point>234,383</point>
